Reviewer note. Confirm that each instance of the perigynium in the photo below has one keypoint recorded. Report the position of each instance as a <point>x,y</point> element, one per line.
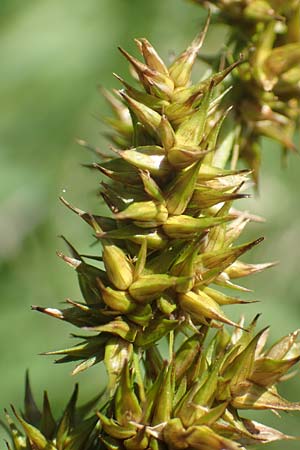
<point>168,251</point>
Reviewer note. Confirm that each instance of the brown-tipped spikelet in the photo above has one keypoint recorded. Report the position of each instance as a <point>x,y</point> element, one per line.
<point>168,250</point>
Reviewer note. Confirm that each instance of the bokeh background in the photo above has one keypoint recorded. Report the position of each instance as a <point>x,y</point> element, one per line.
<point>54,54</point>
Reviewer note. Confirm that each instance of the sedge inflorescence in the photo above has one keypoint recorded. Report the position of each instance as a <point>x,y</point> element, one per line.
<point>168,251</point>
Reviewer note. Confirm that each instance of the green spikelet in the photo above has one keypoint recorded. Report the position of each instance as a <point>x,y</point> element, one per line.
<point>168,248</point>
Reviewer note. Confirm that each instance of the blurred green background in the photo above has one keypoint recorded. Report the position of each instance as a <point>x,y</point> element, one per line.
<point>53,55</point>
